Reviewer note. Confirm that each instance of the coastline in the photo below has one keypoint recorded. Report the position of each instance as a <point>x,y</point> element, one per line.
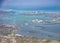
<point>24,39</point>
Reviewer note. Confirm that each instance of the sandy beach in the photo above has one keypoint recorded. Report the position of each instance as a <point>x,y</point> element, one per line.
<point>20,39</point>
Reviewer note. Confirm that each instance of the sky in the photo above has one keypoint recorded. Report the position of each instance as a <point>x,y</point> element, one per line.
<point>30,4</point>
<point>1,1</point>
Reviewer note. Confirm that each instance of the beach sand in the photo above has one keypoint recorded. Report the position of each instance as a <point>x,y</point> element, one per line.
<point>20,39</point>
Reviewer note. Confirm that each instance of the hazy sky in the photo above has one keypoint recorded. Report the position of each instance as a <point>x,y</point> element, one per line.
<point>32,4</point>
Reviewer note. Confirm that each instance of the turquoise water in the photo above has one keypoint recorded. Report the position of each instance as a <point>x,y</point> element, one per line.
<point>28,28</point>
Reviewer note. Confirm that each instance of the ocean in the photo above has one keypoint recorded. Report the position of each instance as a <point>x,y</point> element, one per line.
<point>39,26</point>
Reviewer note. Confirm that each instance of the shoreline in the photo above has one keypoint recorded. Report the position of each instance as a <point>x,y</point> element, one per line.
<point>24,39</point>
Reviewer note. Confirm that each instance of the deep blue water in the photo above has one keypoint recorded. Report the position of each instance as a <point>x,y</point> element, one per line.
<point>28,28</point>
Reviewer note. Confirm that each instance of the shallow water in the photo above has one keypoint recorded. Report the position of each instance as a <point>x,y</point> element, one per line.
<point>29,28</point>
